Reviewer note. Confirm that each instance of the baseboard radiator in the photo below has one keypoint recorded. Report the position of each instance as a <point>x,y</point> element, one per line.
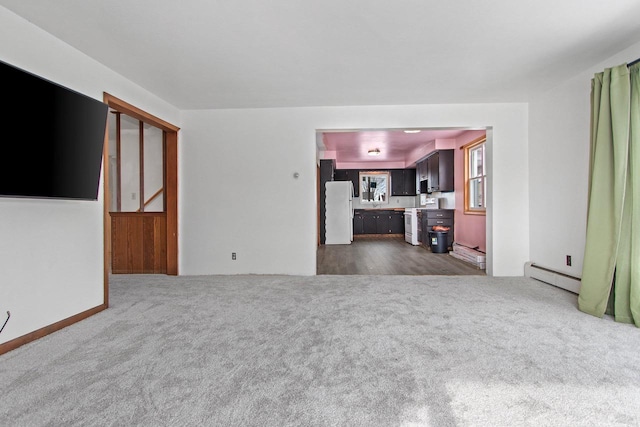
<point>555,278</point>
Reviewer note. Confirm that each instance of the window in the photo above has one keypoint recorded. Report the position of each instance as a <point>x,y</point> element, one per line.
<point>475,188</point>
<point>374,187</point>
<point>136,160</point>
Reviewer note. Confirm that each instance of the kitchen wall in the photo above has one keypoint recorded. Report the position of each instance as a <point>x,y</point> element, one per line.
<point>394,202</point>
<point>447,199</point>
<point>559,168</point>
<point>470,230</point>
<point>51,251</point>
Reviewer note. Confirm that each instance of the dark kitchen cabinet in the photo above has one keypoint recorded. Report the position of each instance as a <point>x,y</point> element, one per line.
<point>433,174</point>
<point>378,222</point>
<point>410,182</point>
<point>431,217</point>
<point>445,170</point>
<point>403,182</point>
<point>327,168</point>
<point>422,170</point>
<point>358,223</point>
<point>396,223</point>
<point>382,223</point>
<point>437,170</point>
<point>369,223</point>
<point>352,175</point>
<point>340,175</point>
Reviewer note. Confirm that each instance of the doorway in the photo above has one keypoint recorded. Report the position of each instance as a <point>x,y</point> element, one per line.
<point>140,192</point>
<point>403,152</point>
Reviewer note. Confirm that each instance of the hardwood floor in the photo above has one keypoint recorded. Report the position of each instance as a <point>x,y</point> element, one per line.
<point>388,256</point>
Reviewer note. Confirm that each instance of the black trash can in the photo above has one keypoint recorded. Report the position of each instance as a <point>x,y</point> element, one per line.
<point>438,241</point>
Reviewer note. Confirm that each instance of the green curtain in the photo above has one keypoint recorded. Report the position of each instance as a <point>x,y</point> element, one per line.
<point>611,269</point>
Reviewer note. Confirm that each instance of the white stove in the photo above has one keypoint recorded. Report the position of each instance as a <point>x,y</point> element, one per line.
<point>411,226</point>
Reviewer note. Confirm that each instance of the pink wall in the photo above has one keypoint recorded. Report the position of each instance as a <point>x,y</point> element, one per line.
<point>470,230</point>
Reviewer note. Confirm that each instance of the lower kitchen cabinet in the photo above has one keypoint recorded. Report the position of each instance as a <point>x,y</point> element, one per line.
<point>378,222</point>
<point>358,223</point>
<point>382,223</point>
<point>431,217</point>
<point>396,222</point>
<point>370,223</point>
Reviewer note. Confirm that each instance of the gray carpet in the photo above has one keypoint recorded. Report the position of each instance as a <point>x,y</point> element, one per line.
<point>328,351</point>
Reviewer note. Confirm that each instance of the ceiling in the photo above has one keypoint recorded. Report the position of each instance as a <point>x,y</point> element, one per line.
<point>203,54</point>
<point>395,145</point>
<point>209,54</point>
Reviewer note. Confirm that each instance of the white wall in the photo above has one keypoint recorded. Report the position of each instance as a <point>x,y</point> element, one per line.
<point>238,193</point>
<point>559,124</point>
<point>51,251</point>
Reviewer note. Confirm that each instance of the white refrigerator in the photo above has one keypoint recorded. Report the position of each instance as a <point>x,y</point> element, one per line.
<point>338,212</point>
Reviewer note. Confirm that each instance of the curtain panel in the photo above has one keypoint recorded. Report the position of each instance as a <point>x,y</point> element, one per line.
<point>611,269</point>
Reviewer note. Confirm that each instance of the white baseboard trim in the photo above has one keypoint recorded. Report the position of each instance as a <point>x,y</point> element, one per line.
<point>555,278</point>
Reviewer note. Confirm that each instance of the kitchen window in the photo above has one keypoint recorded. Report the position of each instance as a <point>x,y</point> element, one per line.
<point>475,188</point>
<point>374,187</point>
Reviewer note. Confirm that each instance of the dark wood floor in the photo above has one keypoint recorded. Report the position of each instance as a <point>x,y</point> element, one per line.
<point>388,255</point>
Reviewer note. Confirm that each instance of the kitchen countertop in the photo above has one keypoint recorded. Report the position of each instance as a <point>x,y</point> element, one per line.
<point>380,209</point>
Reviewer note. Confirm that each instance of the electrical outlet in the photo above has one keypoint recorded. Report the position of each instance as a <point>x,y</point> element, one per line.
<point>233,256</point>
<point>569,260</point>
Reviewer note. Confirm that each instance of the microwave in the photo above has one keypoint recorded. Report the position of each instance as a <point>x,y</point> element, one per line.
<point>423,187</point>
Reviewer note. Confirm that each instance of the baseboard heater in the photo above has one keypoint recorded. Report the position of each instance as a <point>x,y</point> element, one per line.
<point>555,278</point>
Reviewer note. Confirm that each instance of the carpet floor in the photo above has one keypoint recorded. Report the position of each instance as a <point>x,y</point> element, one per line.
<point>328,351</point>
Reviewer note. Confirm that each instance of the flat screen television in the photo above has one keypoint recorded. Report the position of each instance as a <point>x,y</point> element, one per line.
<point>52,138</point>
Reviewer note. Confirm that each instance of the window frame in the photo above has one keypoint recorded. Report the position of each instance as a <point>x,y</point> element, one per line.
<point>468,148</point>
<point>387,192</point>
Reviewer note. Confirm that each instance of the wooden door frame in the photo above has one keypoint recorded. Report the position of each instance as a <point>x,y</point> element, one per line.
<point>171,185</point>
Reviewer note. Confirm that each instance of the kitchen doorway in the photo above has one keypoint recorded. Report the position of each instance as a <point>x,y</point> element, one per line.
<point>400,151</point>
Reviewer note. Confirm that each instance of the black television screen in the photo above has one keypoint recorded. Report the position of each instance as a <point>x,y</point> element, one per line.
<point>52,138</point>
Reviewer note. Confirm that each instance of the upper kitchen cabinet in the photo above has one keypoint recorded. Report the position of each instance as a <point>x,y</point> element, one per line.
<point>433,174</point>
<point>349,175</point>
<point>403,182</point>
<point>445,170</point>
<point>437,170</point>
<point>340,175</point>
<point>422,170</point>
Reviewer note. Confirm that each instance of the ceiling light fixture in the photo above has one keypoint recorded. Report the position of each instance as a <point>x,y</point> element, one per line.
<point>412,131</point>
<point>374,152</point>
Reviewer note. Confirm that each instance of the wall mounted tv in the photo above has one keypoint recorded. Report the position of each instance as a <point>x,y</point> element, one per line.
<point>52,138</point>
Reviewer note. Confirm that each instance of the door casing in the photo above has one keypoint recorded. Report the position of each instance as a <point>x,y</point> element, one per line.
<point>171,186</point>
